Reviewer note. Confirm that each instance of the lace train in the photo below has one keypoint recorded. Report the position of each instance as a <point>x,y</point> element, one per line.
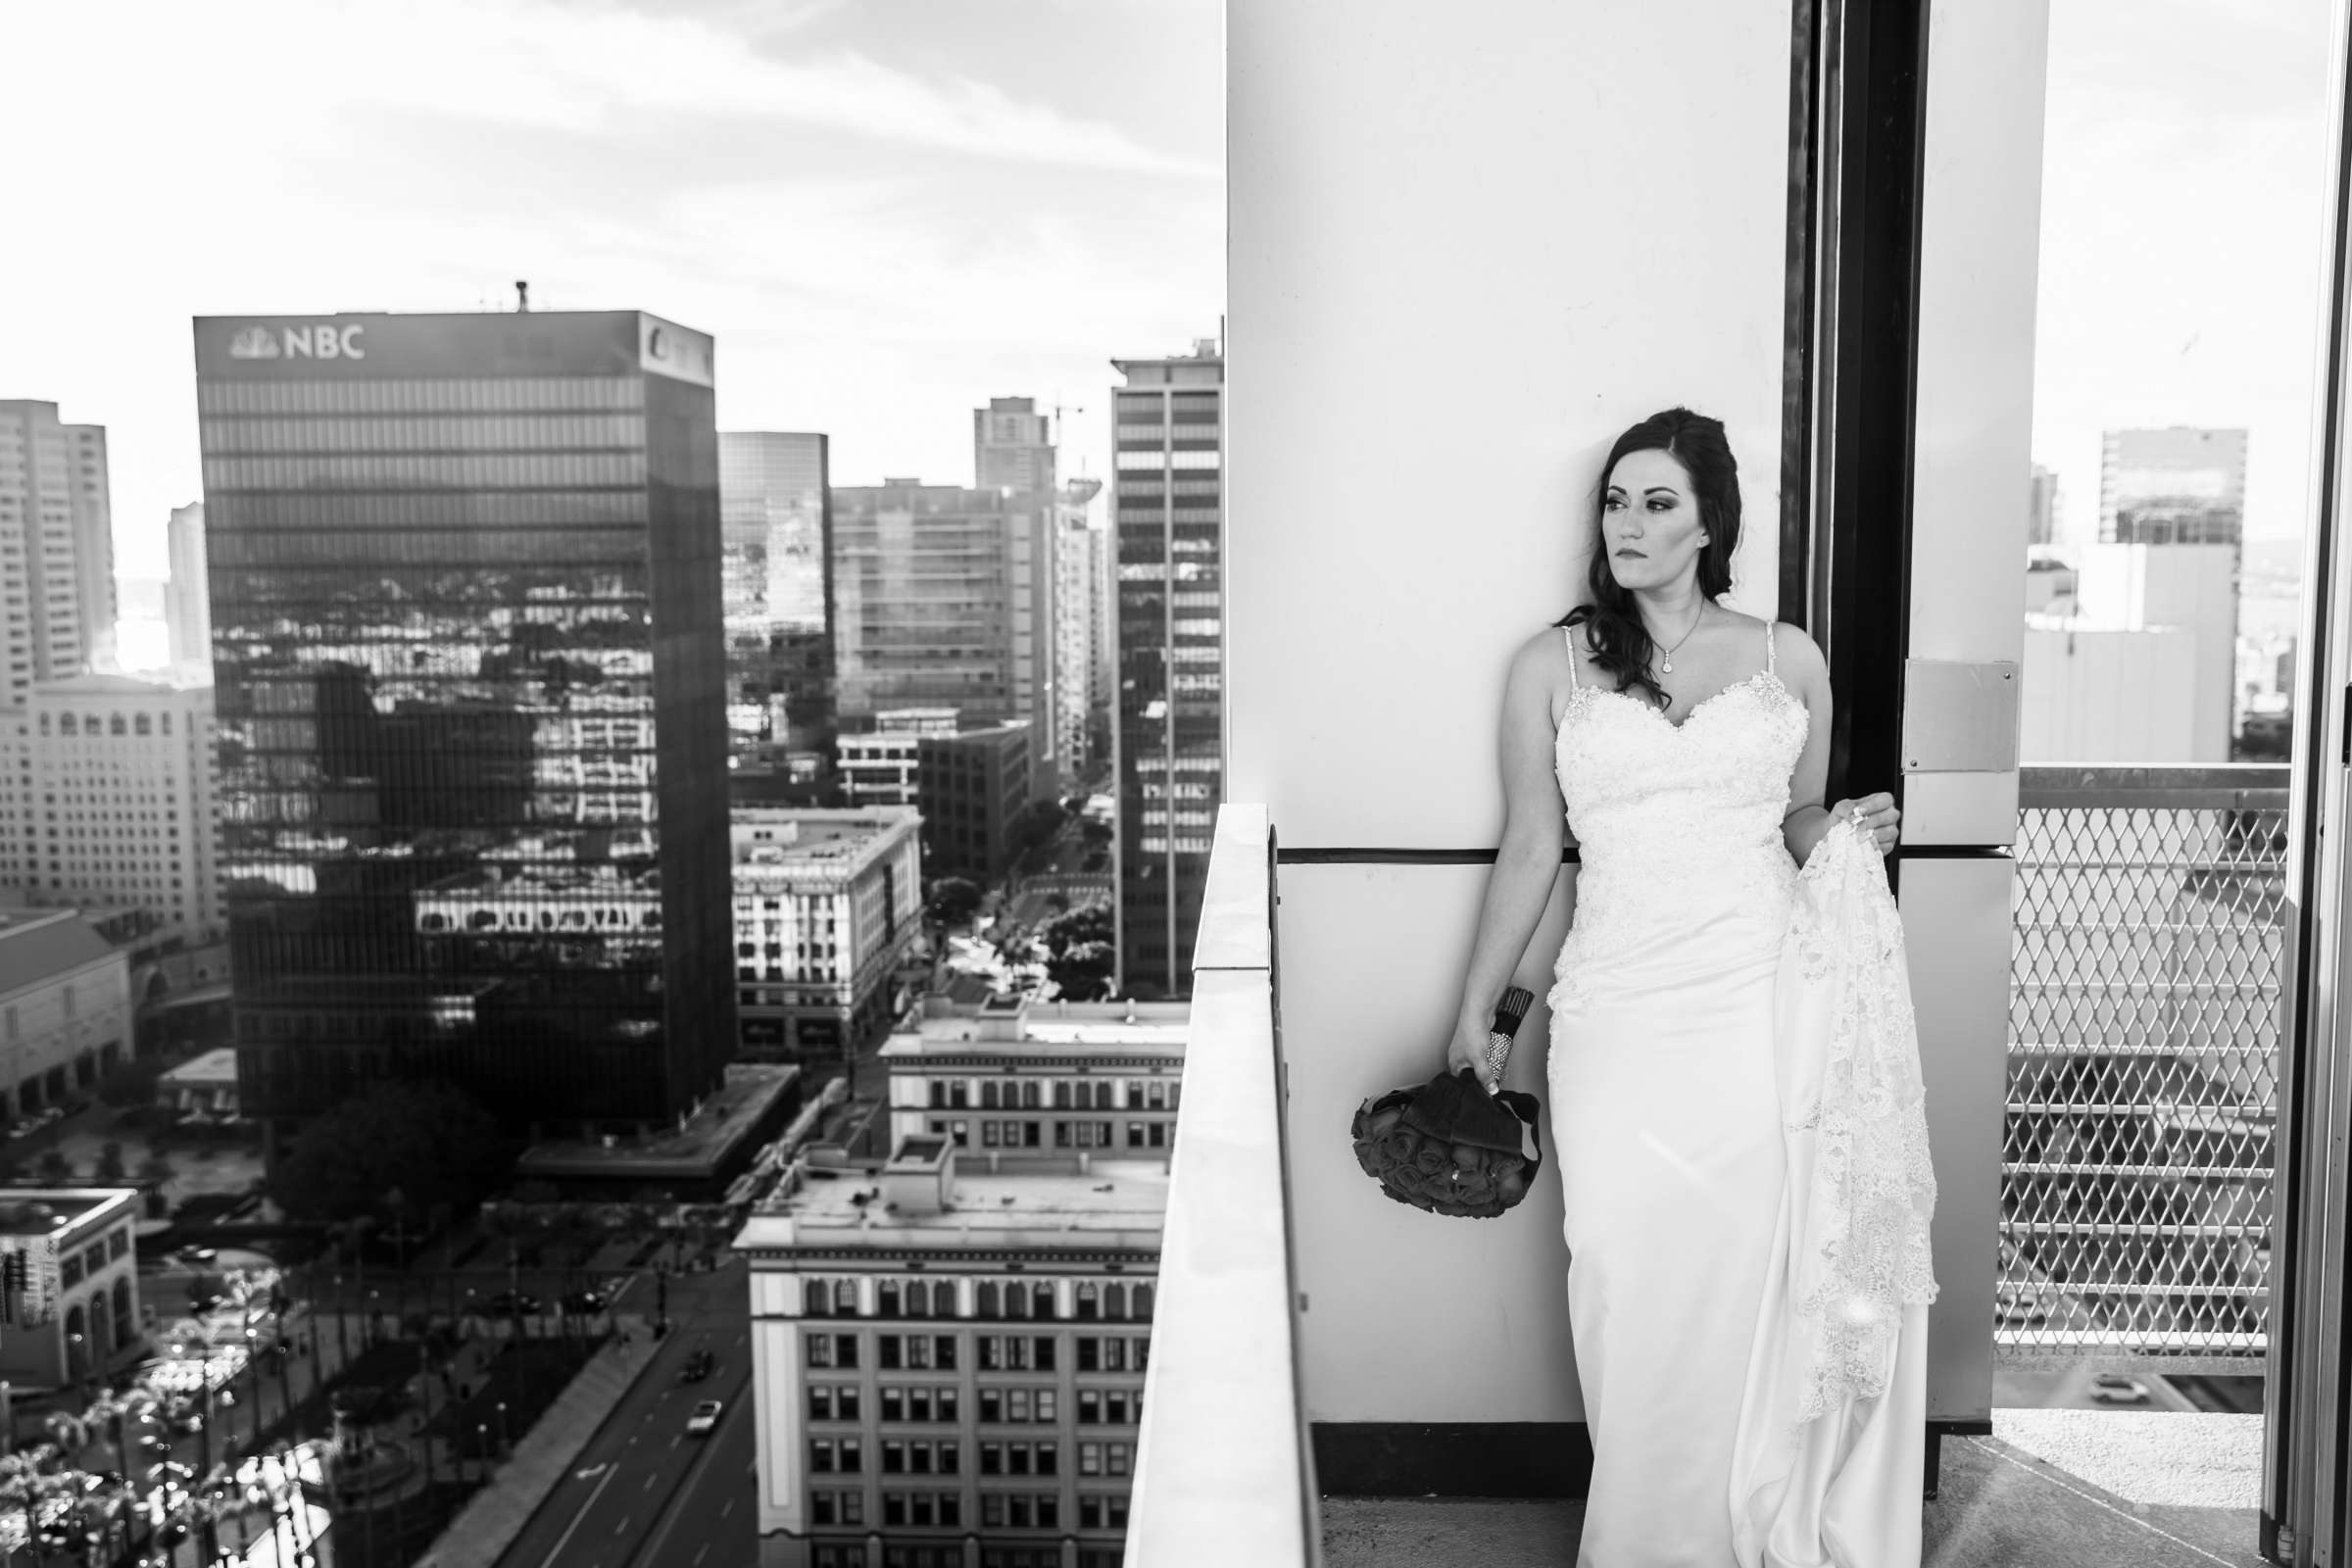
<point>1829,1450</point>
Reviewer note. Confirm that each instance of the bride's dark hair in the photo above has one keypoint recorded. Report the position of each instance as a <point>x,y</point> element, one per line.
<point>1621,643</point>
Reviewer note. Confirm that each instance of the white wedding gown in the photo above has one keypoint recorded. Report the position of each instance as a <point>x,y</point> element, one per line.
<point>1666,1109</point>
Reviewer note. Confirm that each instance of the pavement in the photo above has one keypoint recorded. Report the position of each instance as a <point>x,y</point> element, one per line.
<point>2106,1501</point>
<point>197,1165</point>
<point>496,1514</point>
<point>640,1492</point>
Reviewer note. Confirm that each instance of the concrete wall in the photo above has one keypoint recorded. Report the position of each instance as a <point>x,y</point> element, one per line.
<point>2100,693</point>
<point>1466,250</point>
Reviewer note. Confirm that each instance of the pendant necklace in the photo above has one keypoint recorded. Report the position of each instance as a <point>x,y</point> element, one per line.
<point>1666,659</point>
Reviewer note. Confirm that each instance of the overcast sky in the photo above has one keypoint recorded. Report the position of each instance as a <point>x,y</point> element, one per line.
<point>888,211</point>
<point>2184,173</point>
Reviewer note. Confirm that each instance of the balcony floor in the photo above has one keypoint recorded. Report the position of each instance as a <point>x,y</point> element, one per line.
<point>2052,1488</point>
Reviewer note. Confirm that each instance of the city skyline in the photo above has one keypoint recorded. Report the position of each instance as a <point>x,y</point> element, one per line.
<point>1005,202</point>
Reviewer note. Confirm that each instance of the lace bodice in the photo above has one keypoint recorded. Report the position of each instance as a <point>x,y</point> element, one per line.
<point>1672,820</point>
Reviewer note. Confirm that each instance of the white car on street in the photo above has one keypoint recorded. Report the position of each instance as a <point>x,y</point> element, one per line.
<point>704,1418</point>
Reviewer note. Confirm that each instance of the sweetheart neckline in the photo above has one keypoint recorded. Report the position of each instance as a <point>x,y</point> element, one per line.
<point>1659,713</point>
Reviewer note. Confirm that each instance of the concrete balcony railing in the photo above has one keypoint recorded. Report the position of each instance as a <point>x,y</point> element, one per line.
<point>1223,1470</point>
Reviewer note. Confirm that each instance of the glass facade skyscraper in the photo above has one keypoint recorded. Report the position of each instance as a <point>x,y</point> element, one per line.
<point>1168,505</point>
<point>471,684</point>
<point>945,599</point>
<point>776,517</point>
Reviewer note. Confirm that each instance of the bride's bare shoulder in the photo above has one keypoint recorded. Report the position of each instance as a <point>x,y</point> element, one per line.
<point>1545,655</point>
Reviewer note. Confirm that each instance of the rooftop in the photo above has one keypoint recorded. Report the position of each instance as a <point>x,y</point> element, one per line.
<point>95,684</point>
<point>692,1152</point>
<point>788,836</point>
<point>59,1210</point>
<point>954,1025</point>
<point>837,1205</point>
<point>218,1065</point>
<point>37,945</point>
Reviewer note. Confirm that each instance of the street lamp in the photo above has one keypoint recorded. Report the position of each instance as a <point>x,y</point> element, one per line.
<point>502,1426</point>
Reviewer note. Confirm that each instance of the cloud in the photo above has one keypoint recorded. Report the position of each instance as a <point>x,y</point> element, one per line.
<point>278,64</point>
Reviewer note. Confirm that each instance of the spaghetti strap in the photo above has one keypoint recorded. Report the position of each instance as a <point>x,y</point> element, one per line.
<point>1771,648</point>
<point>1569,633</point>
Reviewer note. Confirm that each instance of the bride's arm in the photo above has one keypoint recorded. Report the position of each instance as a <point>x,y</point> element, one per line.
<point>1528,862</point>
<point>1806,673</point>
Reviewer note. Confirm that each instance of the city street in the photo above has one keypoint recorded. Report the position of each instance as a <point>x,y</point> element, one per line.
<point>644,1492</point>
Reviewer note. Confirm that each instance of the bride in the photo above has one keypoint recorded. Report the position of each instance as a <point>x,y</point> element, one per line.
<point>1687,744</point>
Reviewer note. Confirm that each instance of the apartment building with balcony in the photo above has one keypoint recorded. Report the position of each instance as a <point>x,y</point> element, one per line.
<point>949,1361</point>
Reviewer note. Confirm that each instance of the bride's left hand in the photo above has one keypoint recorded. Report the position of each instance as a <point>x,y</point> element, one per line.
<point>1878,814</point>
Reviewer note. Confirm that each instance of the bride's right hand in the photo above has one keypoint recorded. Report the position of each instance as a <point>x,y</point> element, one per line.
<point>1468,1049</point>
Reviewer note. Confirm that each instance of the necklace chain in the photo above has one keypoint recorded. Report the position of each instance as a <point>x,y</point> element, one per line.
<point>1666,656</point>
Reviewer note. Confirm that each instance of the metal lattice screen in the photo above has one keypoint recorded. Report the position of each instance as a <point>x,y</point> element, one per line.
<point>2144,1038</point>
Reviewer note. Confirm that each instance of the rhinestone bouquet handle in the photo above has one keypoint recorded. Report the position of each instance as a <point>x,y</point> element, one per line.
<point>1507,1015</point>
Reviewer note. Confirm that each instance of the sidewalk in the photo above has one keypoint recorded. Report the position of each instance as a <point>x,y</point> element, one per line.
<point>495,1515</point>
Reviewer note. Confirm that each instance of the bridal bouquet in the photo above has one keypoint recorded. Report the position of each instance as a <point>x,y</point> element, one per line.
<point>1451,1147</point>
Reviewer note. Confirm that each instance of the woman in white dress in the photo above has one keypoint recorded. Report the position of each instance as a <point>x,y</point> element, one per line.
<point>1687,745</point>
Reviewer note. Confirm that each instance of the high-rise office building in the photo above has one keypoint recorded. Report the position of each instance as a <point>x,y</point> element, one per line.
<point>1103,685</point>
<point>775,506</point>
<point>944,597</point>
<point>827,906</point>
<point>878,766</point>
<point>2177,486</point>
<point>1012,446</point>
<point>2042,517</point>
<point>1078,605</point>
<point>57,548</point>
<point>188,597</point>
<point>1167,505</point>
<point>106,800</point>
<point>471,683</point>
<point>969,786</point>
